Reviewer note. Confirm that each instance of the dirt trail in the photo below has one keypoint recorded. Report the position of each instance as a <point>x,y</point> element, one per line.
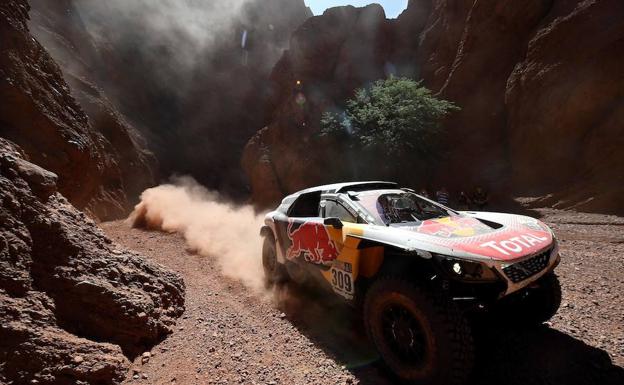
<point>228,335</point>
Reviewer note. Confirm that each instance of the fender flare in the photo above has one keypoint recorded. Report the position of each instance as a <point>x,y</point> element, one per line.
<point>415,252</point>
<point>266,231</point>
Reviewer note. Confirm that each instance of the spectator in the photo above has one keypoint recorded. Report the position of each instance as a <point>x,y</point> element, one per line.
<point>463,202</point>
<point>480,198</point>
<point>424,193</point>
<point>442,196</point>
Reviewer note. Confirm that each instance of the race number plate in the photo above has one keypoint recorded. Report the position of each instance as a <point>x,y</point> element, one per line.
<point>342,279</point>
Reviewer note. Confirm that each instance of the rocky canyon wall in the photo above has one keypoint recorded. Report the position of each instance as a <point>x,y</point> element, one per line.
<point>329,56</point>
<point>190,77</point>
<point>565,107</point>
<point>74,307</point>
<point>539,84</point>
<point>90,154</point>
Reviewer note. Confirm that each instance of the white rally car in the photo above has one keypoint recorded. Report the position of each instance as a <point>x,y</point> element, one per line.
<point>418,268</point>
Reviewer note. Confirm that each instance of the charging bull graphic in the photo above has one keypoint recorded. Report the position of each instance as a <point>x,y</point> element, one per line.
<point>453,227</point>
<point>311,239</point>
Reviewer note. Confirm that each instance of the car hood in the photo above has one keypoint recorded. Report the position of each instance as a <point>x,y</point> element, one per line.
<point>478,235</point>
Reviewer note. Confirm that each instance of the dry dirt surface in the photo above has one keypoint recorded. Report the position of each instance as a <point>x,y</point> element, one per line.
<point>230,335</point>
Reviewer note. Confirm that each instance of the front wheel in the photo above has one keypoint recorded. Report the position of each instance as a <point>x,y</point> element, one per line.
<point>542,302</point>
<point>422,337</point>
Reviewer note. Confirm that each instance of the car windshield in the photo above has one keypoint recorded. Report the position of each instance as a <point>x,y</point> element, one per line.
<point>400,207</point>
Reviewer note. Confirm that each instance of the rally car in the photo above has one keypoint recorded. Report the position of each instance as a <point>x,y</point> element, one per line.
<point>418,269</point>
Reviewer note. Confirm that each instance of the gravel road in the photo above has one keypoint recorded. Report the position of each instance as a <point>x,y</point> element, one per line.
<point>230,335</point>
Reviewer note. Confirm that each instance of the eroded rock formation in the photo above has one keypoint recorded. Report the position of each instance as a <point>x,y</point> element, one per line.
<point>73,305</point>
<point>328,57</point>
<point>539,84</point>
<point>195,84</point>
<point>565,105</point>
<point>58,27</point>
<point>39,113</point>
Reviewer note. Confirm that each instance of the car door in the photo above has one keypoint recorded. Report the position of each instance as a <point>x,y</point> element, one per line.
<point>340,275</point>
<point>302,235</point>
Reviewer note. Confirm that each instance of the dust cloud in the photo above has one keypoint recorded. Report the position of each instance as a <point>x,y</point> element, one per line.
<point>188,28</point>
<point>214,228</point>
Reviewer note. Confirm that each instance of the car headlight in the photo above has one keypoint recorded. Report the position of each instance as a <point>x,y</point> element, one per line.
<point>466,270</point>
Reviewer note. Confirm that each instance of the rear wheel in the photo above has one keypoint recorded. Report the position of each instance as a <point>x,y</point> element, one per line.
<point>274,271</point>
<point>296,273</point>
<point>422,337</point>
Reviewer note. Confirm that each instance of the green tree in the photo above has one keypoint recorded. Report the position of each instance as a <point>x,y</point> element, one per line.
<point>395,118</point>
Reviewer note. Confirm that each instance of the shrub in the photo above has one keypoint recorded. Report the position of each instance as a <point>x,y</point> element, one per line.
<point>395,117</point>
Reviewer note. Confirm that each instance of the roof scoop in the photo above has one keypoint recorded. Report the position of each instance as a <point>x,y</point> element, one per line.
<point>491,224</point>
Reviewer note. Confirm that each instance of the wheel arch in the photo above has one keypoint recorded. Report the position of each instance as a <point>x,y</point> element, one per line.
<point>400,262</point>
<point>269,230</point>
<point>395,262</point>
<point>266,231</point>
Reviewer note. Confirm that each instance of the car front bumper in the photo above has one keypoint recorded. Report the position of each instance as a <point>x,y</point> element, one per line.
<point>524,271</point>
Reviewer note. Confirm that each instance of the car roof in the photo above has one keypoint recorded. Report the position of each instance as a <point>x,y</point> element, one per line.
<point>339,188</point>
<point>349,186</point>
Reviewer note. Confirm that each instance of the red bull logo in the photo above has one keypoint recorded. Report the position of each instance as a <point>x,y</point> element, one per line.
<point>453,227</point>
<point>311,239</point>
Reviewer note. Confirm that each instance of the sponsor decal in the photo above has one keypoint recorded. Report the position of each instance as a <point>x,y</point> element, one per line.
<point>342,279</point>
<point>450,227</point>
<point>516,245</point>
<point>346,266</point>
<point>312,240</point>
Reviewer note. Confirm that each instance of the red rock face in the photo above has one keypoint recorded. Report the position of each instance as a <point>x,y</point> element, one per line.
<point>492,40</point>
<point>73,305</point>
<point>539,85</point>
<point>328,57</point>
<point>60,30</point>
<point>39,113</point>
<point>566,109</point>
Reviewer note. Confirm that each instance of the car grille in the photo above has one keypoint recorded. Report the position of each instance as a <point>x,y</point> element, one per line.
<point>528,268</point>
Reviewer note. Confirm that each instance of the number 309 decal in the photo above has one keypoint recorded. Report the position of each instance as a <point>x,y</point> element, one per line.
<point>342,282</point>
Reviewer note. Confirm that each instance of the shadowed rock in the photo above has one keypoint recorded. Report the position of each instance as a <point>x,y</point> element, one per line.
<point>73,305</point>
<point>97,160</point>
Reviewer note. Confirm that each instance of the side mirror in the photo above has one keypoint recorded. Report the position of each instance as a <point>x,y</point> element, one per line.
<point>336,223</point>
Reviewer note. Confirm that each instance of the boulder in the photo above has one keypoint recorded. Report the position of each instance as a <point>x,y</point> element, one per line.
<point>73,305</point>
<point>34,350</point>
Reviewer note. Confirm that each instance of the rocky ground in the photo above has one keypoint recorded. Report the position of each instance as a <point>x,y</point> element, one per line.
<point>230,335</point>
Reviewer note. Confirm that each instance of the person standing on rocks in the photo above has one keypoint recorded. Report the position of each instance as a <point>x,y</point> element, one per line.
<point>463,202</point>
<point>480,198</point>
<point>442,196</point>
